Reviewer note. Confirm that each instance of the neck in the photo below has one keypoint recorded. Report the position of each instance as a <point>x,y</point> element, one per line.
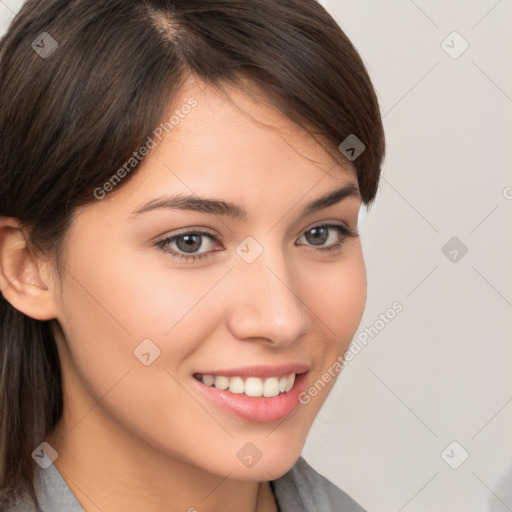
<point>142,478</point>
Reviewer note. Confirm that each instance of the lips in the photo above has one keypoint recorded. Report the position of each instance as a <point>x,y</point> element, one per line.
<point>255,393</point>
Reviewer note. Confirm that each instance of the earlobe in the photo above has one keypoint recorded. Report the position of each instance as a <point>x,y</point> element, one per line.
<point>23,282</point>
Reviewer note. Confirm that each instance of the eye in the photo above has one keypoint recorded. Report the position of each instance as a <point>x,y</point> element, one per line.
<point>187,242</point>
<point>183,246</point>
<point>319,235</point>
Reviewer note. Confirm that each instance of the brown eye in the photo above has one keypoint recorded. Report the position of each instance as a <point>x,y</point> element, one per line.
<point>319,235</point>
<point>191,243</point>
<point>187,244</point>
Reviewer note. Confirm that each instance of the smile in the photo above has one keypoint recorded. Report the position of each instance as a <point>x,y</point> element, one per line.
<point>250,386</point>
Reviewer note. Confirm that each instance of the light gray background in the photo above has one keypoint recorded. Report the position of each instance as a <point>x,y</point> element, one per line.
<point>440,371</point>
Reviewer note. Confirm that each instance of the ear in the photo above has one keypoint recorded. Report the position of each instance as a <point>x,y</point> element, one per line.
<point>24,279</point>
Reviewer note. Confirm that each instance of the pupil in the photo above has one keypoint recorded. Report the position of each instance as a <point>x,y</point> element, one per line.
<point>192,243</point>
<point>318,240</point>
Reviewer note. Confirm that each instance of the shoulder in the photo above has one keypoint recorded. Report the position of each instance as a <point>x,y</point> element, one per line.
<point>52,493</point>
<point>303,489</point>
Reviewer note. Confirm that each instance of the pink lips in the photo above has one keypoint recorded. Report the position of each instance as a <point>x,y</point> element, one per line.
<point>257,409</point>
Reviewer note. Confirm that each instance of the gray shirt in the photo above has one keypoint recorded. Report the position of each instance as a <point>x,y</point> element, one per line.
<point>301,489</point>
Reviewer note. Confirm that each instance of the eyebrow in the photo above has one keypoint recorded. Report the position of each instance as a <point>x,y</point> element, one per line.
<point>228,209</point>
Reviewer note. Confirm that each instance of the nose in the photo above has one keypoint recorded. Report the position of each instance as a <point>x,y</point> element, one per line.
<point>264,304</point>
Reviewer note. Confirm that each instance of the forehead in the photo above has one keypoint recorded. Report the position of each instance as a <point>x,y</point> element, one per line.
<point>240,126</point>
<point>239,147</point>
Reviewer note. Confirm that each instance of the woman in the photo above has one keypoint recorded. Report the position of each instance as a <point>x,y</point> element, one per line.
<point>179,259</point>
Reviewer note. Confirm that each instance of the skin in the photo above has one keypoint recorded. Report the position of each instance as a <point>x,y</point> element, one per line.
<point>137,437</point>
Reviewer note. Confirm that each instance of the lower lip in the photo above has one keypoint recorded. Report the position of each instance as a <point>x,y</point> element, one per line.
<point>259,409</point>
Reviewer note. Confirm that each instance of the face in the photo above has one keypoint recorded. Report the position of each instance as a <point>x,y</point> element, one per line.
<point>162,306</point>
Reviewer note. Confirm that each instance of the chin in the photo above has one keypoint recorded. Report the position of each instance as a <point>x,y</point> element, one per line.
<point>273,464</point>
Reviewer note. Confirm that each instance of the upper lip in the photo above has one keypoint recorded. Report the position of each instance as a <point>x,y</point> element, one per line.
<point>259,371</point>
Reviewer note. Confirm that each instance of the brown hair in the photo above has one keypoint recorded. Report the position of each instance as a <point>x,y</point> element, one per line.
<point>84,83</point>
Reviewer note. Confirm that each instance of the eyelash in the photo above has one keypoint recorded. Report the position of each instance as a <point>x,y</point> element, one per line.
<point>343,231</point>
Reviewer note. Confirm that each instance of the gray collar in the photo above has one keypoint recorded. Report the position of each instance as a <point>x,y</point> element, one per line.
<point>302,489</point>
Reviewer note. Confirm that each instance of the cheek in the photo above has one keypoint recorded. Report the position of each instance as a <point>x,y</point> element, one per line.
<point>128,299</point>
<point>337,296</point>
<point>109,311</point>
<point>104,318</point>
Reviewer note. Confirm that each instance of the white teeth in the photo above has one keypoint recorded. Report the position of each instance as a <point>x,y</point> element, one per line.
<point>221,382</point>
<point>290,380</point>
<point>236,385</point>
<point>209,380</point>
<point>271,387</point>
<point>252,386</point>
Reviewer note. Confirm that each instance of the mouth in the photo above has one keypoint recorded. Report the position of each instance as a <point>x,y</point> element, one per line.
<point>257,394</point>
<point>249,386</point>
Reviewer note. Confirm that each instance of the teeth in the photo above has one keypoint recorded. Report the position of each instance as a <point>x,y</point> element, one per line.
<point>209,380</point>
<point>221,383</point>
<point>236,385</point>
<point>271,387</point>
<point>252,386</point>
<point>290,381</point>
